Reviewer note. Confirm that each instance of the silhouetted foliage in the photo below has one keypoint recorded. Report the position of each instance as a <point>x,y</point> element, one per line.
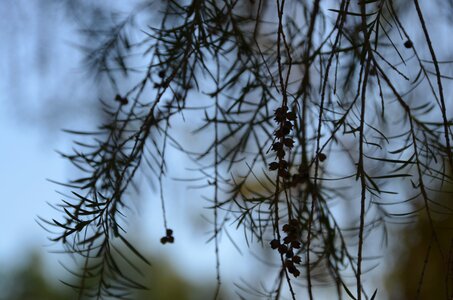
<point>331,107</point>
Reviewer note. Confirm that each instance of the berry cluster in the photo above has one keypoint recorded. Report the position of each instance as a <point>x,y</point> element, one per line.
<point>283,117</point>
<point>168,238</point>
<point>290,242</point>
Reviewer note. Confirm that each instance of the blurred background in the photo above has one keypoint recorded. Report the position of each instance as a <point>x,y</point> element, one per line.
<point>44,88</point>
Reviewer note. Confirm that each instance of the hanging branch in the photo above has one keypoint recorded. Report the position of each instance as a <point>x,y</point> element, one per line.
<point>305,114</point>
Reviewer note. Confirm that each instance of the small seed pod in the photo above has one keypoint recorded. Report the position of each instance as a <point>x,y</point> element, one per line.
<point>273,166</point>
<point>291,116</point>
<point>292,269</point>
<point>286,130</point>
<point>279,133</point>
<point>283,173</point>
<point>288,142</point>
<point>287,240</point>
<point>275,244</point>
<point>282,249</point>
<point>281,110</point>
<point>277,146</point>
<point>286,228</point>
<point>279,118</point>
<point>283,164</point>
<point>280,114</point>
<point>288,126</point>
<point>289,264</point>
<point>322,156</point>
<point>296,259</point>
<point>295,244</point>
<point>281,153</point>
<point>408,44</point>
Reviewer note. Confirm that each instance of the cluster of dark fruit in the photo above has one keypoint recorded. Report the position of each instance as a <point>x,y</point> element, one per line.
<point>283,117</point>
<point>287,248</point>
<point>168,238</point>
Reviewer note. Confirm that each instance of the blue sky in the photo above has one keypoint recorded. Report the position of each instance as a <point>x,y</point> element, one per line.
<point>44,88</point>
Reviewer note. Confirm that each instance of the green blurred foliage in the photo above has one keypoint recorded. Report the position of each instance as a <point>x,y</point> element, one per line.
<point>30,282</point>
<point>415,241</point>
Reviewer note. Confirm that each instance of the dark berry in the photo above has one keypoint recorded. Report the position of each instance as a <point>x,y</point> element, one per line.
<point>169,232</point>
<point>282,249</point>
<point>289,142</point>
<point>283,173</point>
<point>280,118</point>
<point>164,240</point>
<point>291,116</point>
<point>279,133</point>
<point>161,74</point>
<point>171,239</point>
<point>286,130</point>
<point>296,259</point>
<point>275,244</point>
<point>288,126</point>
<point>287,240</point>
<point>286,228</point>
<point>281,153</point>
<point>292,269</point>
<point>281,110</point>
<point>283,164</point>
<point>295,244</point>
<point>408,44</point>
<point>273,166</point>
<point>277,146</point>
<point>280,114</point>
<point>289,264</point>
<point>322,156</point>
